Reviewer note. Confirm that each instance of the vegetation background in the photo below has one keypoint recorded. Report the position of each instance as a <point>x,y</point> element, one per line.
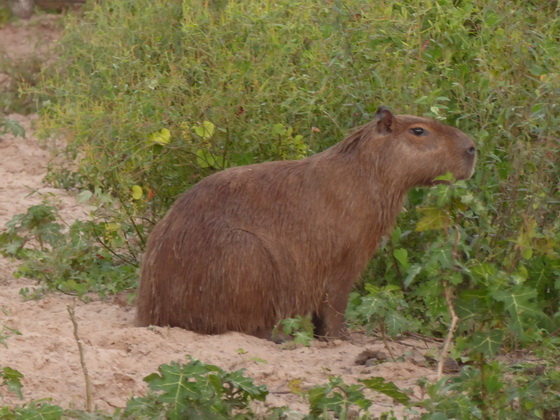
<point>151,96</point>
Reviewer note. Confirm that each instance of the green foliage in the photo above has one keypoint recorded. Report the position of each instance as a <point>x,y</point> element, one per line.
<point>35,410</point>
<point>24,73</point>
<point>196,390</point>
<point>495,391</point>
<point>349,401</point>
<point>203,391</point>
<point>6,332</point>
<point>488,296</point>
<point>83,257</point>
<point>300,329</point>
<point>7,125</point>
<point>11,379</point>
<point>381,307</point>
<point>156,95</point>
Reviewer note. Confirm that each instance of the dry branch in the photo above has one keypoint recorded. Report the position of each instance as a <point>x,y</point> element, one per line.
<point>71,312</point>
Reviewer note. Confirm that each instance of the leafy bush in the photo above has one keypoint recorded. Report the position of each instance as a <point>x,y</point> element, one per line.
<point>196,390</point>
<point>154,95</point>
<point>496,391</point>
<point>24,73</point>
<point>199,390</point>
<point>86,256</point>
<point>349,401</point>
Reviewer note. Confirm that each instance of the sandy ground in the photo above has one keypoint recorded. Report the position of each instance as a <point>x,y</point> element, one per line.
<point>119,355</point>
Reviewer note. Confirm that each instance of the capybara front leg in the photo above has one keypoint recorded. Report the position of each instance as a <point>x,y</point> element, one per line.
<point>328,320</point>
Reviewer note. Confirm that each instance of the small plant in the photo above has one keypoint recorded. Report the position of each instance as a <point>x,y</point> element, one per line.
<point>38,409</point>
<point>6,331</point>
<point>299,329</point>
<point>83,257</point>
<point>11,379</point>
<point>349,401</point>
<point>24,73</point>
<point>7,125</point>
<point>196,390</point>
<point>494,390</point>
<point>384,308</point>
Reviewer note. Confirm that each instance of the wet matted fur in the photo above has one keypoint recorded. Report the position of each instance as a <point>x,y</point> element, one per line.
<point>252,245</point>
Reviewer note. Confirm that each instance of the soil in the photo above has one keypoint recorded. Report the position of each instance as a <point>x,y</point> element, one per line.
<point>118,355</point>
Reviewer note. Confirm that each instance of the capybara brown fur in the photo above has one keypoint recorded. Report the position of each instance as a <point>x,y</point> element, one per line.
<point>252,245</point>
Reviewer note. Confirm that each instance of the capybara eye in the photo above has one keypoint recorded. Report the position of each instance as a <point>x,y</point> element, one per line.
<point>418,131</point>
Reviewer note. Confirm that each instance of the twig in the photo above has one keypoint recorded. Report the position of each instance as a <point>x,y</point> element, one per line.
<point>71,312</point>
<point>385,343</point>
<point>454,320</point>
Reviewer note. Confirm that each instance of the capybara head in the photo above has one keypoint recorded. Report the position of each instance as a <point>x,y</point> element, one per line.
<point>252,245</point>
<point>415,150</point>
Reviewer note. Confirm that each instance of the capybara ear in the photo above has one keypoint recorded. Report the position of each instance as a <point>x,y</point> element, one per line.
<point>384,120</point>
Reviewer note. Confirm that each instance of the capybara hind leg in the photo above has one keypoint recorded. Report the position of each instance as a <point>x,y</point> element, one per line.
<point>329,319</point>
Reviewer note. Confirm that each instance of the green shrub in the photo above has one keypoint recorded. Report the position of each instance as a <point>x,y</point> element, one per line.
<point>196,390</point>
<point>154,95</point>
<point>23,74</point>
<point>495,391</point>
<point>86,256</point>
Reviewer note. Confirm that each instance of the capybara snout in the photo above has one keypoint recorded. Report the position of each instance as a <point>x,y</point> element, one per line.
<point>249,246</point>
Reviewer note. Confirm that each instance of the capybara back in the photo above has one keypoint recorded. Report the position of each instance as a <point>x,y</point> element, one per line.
<point>249,246</point>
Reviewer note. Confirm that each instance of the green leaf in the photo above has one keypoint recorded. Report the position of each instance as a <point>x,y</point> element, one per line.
<point>112,227</point>
<point>487,343</point>
<point>84,196</point>
<point>471,304</point>
<point>199,390</point>
<point>206,159</point>
<point>372,305</point>
<point>12,126</point>
<point>278,130</point>
<point>378,384</point>
<point>448,176</point>
<point>245,384</point>
<point>396,323</point>
<point>401,255</point>
<point>484,271</point>
<point>39,410</point>
<point>413,271</point>
<point>527,253</point>
<point>12,379</point>
<point>433,219</point>
<point>137,192</point>
<point>326,398</point>
<point>206,130</point>
<point>173,382</point>
<point>161,137</point>
<point>519,303</point>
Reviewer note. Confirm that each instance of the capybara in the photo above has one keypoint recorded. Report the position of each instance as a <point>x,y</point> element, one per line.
<point>252,245</point>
